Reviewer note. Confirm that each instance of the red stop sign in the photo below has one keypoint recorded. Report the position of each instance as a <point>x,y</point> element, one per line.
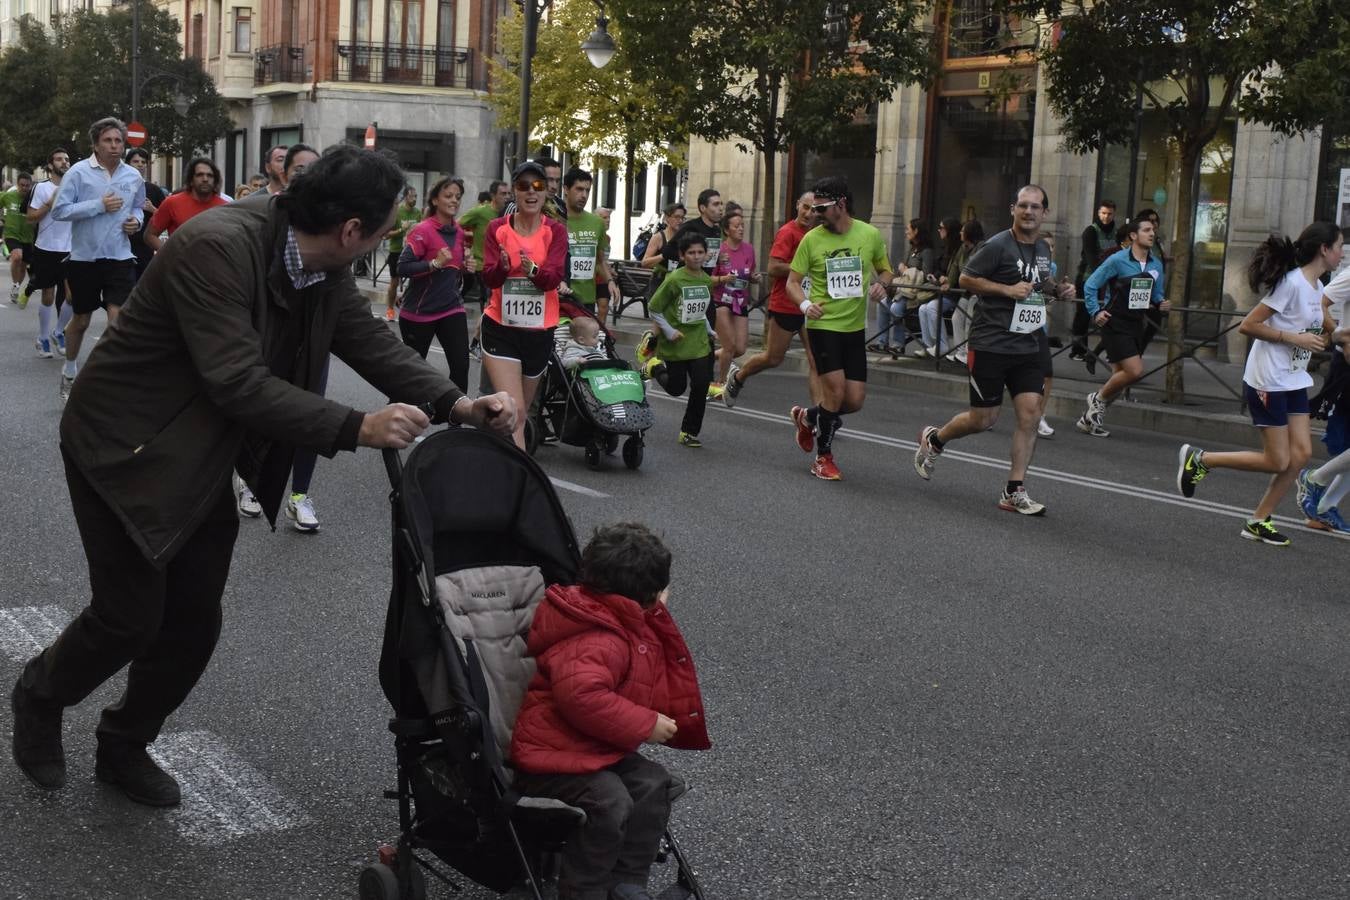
<point>135,134</point>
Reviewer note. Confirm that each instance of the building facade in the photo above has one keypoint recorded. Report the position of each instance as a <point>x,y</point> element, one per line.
<point>962,147</point>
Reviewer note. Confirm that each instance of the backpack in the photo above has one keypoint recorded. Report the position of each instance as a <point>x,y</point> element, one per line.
<point>640,245</point>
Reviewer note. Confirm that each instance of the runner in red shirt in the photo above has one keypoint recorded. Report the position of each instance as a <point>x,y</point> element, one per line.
<point>200,193</point>
<point>784,319</point>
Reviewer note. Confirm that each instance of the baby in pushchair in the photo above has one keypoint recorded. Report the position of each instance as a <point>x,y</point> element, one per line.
<point>613,673</point>
<point>584,342</point>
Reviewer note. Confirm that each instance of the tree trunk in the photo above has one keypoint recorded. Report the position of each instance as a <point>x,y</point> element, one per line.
<point>1183,241</point>
<point>629,156</point>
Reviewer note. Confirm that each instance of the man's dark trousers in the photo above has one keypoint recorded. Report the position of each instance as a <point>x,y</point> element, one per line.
<point>163,622</point>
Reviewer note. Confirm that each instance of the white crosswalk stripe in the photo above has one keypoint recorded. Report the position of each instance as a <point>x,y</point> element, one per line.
<point>25,630</point>
<point>224,797</point>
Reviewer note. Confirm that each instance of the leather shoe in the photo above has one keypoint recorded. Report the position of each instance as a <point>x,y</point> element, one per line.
<point>128,766</point>
<point>37,740</point>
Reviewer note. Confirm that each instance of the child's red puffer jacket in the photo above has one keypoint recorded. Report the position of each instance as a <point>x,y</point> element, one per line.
<point>606,668</point>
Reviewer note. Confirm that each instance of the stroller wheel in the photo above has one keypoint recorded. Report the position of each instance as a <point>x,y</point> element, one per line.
<point>632,452</point>
<point>593,454</point>
<point>611,443</point>
<point>378,882</point>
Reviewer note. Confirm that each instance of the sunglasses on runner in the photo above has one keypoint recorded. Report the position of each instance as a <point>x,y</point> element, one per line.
<point>821,207</point>
<point>537,184</point>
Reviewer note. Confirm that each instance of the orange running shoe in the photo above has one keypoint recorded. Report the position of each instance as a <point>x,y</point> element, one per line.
<point>806,435</point>
<point>389,314</point>
<point>825,469</point>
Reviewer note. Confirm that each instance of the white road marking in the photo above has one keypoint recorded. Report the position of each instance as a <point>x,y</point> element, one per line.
<point>27,630</point>
<point>1099,484</point>
<point>223,797</point>
<point>578,488</point>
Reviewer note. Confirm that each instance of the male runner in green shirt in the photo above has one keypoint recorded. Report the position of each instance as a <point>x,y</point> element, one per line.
<point>408,215</point>
<point>18,232</point>
<point>587,243</point>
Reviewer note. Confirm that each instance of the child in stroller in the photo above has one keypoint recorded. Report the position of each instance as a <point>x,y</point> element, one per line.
<point>613,673</point>
<point>588,397</point>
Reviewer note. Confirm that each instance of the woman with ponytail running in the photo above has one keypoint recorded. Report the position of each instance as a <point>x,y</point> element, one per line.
<point>1289,324</point>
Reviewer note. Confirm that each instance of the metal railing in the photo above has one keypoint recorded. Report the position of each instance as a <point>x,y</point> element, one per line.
<point>279,63</point>
<point>404,64</point>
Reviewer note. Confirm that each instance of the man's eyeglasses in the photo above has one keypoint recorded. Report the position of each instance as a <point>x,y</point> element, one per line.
<point>537,184</point>
<point>821,207</point>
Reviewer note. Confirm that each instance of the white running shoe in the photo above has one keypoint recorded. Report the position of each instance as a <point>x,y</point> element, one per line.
<point>300,509</point>
<point>1019,502</point>
<point>67,382</point>
<point>925,458</point>
<point>44,348</point>
<point>248,504</point>
<point>1044,429</point>
<point>14,294</point>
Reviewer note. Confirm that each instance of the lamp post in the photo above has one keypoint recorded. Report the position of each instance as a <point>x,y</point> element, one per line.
<point>599,48</point>
<point>181,102</point>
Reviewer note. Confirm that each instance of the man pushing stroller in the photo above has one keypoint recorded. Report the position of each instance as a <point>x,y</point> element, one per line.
<point>613,673</point>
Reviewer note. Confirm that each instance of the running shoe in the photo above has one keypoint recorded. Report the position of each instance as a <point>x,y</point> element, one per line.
<point>1309,493</point>
<point>14,294</point>
<point>806,435</point>
<point>300,509</point>
<point>715,391</point>
<point>1090,363</point>
<point>22,302</point>
<point>648,369</point>
<point>925,458</point>
<point>825,469</point>
<point>1190,470</point>
<point>1019,502</point>
<point>1044,429</point>
<point>248,504</point>
<point>688,440</point>
<point>389,314</point>
<point>924,352</point>
<point>733,387</point>
<point>1330,521</point>
<point>646,347</point>
<point>877,347</point>
<point>476,349</point>
<point>1096,409</point>
<point>59,339</point>
<point>1264,531</point>
<point>67,382</point>
<point>44,348</point>
<point>962,357</point>
<point>1089,427</point>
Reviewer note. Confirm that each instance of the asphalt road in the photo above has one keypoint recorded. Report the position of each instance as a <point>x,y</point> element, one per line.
<point>910,692</point>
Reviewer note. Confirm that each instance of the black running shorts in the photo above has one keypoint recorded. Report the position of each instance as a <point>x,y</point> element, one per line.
<point>835,350</point>
<point>1123,340</point>
<point>990,373</point>
<point>101,283</point>
<point>529,346</point>
<point>789,322</point>
<point>12,244</point>
<point>392,264</point>
<point>46,268</point>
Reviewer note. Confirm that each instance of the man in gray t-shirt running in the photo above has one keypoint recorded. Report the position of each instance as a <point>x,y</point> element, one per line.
<point>1009,350</point>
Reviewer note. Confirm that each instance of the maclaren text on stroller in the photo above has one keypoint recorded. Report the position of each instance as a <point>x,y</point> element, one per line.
<point>478,535</point>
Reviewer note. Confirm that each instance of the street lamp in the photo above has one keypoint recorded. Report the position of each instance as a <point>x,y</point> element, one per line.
<point>599,47</point>
<point>181,102</point>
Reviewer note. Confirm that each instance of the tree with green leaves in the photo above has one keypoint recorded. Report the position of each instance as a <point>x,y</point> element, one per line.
<point>605,113</point>
<point>774,74</point>
<point>1284,65</point>
<point>81,71</point>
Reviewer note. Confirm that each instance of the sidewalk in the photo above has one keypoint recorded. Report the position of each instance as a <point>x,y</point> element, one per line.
<point>1210,413</point>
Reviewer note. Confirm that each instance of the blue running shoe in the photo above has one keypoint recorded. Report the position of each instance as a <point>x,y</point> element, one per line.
<point>44,348</point>
<point>1333,521</point>
<point>60,338</point>
<point>1309,493</point>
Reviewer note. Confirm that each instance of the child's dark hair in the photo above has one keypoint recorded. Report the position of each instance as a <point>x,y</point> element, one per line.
<point>1276,255</point>
<point>690,239</point>
<point>626,558</point>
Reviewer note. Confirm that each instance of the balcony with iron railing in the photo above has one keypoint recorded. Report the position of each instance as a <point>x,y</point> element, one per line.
<point>278,64</point>
<point>406,64</point>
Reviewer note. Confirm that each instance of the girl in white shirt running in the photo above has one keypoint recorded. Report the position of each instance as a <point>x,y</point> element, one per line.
<point>1289,324</point>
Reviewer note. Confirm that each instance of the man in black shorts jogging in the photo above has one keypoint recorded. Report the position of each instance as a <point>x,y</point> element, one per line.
<point>1007,344</point>
<point>839,256</point>
<point>103,199</point>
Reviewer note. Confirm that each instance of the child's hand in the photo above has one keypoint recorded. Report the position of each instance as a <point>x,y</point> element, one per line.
<point>662,731</point>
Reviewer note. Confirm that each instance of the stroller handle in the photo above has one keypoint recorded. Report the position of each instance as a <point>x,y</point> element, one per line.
<point>393,464</point>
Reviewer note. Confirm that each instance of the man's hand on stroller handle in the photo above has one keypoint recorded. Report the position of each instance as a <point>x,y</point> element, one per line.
<point>495,413</point>
<point>663,730</point>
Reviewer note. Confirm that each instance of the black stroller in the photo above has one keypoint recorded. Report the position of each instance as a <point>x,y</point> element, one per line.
<point>593,406</point>
<point>478,533</point>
